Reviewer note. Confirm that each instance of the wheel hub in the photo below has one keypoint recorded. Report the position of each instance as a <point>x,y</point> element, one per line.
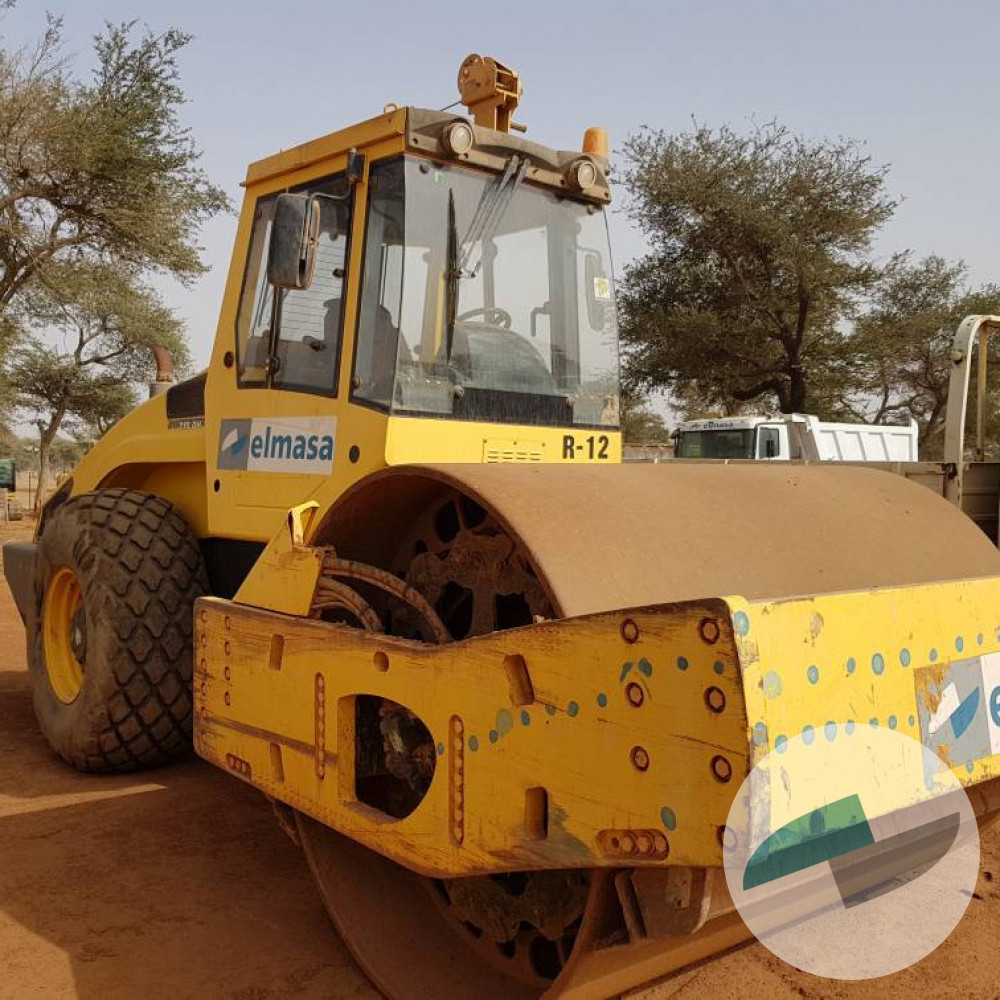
<point>78,634</point>
<point>64,634</point>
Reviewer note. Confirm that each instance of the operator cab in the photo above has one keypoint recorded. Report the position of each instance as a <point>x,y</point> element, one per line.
<point>483,298</point>
<point>418,266</point>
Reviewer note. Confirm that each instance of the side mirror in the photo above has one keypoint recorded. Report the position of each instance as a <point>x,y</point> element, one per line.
<point>291,255</point>
<point>598,288</point>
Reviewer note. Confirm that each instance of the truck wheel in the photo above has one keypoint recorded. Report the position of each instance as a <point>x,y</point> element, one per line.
<point>116,576</point>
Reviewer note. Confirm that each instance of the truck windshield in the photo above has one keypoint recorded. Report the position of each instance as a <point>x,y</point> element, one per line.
<point>483,302</point>
<point>715,444</point>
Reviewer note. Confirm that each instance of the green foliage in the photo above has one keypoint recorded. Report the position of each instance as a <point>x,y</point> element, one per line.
<point>100,170</point>
<point>100,324</point>
<point>901,348</point>
<point>640,424</point>
<point>761,246</point>
<point>99,187</point>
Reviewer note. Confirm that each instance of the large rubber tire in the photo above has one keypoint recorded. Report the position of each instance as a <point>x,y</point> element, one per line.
<point>139,570</point>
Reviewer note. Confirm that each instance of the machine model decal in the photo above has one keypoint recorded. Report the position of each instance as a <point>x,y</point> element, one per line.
<point>590,448</point>
<point>278,444</point>
<point>185,423</point>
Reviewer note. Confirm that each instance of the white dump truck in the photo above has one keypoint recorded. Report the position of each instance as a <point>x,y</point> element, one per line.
<point>796,436</point>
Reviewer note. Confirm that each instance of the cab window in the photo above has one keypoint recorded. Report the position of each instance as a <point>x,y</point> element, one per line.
<point>304,325</point>
<point>484,298</point>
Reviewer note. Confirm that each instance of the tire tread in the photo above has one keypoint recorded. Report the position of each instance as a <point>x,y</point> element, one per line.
<point>144,560</point>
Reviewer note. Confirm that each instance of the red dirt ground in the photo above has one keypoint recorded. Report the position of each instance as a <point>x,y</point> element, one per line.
<point>179,884</point>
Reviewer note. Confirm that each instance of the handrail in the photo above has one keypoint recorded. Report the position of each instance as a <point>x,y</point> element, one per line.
<point>970,330</point>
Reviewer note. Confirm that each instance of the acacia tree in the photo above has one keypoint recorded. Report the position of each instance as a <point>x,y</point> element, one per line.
<point>901,347</point>
<point>99,188</point>
<point>99,170</point>
<point>761,246</point>
<point>97,325</point>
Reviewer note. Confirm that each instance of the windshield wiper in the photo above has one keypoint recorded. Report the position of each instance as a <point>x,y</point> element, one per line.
<point>451,278</point>
<point>489,212</point>
<point>491,209</point>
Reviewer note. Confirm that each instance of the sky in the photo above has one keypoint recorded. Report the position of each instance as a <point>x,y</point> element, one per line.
<point>915,81</point>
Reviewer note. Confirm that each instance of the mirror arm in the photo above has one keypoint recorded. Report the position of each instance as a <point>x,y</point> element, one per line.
<point>272,362</point>
<point>354,175</point>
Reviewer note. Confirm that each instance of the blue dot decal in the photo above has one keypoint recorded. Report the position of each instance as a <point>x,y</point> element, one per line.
<point>719,667</point>
<point>893,722</point>
<point>440,749</point>
<point>959,643</point>
<point>741,623</point>
<point>910,721</point>
<point>602,700</point>
<point>645,667</point>
<point>668,818</point>
<point>932,655</point>
<point>771,684</point>
<point>873,723</point>
<point>830,731</point>
<point>878,665</point>
<point>979,639</point>
<point>970,767</point>
<point>851,665</point>
<point>813,674</point>
<point>849,728</point>
<point>494,736</point>
<point>760,734</point>
<point>682,663</point>
<point>550,709</point>
<point>473,743</point>
<point>525,717</point>
<point>904,656</point>
<point>808,735</point>
<point>572,709</point>
<point>780,743</point>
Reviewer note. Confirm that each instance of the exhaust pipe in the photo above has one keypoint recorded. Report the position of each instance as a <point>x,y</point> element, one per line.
<point>164,372</point>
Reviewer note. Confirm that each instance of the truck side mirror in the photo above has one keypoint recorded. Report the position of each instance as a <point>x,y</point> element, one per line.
<point>598,288</point>
<point>291,254</point>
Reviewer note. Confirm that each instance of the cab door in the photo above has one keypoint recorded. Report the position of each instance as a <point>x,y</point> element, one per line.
<point>769,443</point>
<point>273,406</point>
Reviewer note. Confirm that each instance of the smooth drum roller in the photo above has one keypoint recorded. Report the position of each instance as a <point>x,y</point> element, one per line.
<point>494,548</point>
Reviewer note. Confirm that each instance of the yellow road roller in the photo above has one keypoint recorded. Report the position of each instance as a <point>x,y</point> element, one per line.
<point>382,562</point>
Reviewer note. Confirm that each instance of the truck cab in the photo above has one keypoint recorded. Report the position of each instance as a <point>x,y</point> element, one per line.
<point>733,438</point>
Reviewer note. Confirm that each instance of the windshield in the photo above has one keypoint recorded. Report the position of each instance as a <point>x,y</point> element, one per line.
<point>715,444</point>
<point>485,299</point>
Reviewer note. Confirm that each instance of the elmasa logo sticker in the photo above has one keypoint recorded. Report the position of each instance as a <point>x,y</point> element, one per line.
<point>303,445</point>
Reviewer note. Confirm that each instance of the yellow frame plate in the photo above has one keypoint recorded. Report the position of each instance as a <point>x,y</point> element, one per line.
<point>639,724</point>
<point>610,714</point>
